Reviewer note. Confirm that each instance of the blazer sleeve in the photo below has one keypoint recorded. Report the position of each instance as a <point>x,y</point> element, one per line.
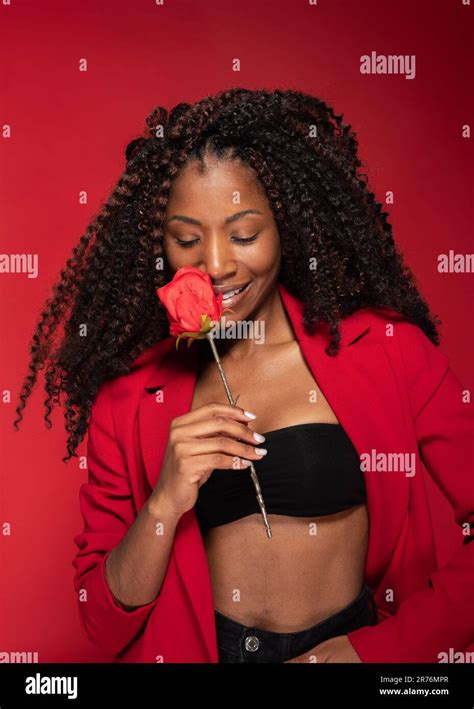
<point>108,512</point>
<point>441,616</point>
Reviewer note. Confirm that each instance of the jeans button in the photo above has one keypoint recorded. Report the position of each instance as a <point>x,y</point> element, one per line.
<point>252,643</point>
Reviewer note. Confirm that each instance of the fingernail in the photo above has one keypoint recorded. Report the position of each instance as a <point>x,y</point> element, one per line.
<point>250,415</point>
<point>258,437</point>
<point>245,462</point>
<point>261,451</point>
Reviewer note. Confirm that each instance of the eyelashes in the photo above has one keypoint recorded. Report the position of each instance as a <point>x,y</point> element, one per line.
<point>185,244</point>
<point>238,239</point>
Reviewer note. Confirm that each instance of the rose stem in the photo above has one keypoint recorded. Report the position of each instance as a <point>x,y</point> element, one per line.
<point>253,473</point>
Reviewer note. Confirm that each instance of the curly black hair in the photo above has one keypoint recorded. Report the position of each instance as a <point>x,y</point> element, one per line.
<point>304,156</point>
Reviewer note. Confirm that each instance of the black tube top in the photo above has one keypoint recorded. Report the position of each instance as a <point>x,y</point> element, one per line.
<point>310,470</point>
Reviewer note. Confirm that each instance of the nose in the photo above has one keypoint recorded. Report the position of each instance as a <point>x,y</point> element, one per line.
<point>218,257</point>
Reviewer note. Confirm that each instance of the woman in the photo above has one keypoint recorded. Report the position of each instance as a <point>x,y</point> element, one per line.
<point>261,191</point>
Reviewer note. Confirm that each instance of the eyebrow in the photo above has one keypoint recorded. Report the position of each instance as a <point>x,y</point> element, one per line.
<point>227,220</point>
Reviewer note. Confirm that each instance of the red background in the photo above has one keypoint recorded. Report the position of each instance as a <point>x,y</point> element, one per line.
<point>69,132</point>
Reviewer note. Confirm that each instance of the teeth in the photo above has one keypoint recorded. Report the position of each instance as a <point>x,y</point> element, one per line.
<point>231,293</point>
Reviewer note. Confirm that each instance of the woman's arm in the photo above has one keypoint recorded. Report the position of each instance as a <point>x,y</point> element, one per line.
<point>441,615</point>
<point>117,546</point>
<point>136,567</point>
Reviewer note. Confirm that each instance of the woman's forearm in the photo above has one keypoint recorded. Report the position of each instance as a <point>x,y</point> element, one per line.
<point>136,567</point>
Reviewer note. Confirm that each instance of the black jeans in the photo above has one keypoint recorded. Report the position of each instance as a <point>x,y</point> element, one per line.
<point>241,643</point>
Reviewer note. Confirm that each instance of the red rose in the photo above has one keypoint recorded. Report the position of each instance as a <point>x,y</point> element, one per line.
<point>191,304</point>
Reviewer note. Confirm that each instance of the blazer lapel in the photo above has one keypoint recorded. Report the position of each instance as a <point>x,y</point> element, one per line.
<point>360,387</point>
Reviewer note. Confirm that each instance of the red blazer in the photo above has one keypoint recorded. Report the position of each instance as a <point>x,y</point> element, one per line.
<point>393,391</point>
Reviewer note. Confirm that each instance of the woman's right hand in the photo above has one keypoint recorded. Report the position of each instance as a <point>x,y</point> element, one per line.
<point>199,442</point>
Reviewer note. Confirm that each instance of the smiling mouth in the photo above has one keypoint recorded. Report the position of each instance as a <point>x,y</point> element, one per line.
<point>230,294</point>
<point>232,297</point>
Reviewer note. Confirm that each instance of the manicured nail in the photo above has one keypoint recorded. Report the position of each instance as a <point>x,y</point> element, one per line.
<point>261,451</point>
<point>258,437</point>
<point>250,415</point>
<point>245,462</point>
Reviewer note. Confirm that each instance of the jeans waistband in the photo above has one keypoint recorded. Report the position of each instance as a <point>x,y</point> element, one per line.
<point>241,643</point>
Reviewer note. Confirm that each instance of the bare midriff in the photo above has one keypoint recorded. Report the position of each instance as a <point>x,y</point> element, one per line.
<point>312,567</point>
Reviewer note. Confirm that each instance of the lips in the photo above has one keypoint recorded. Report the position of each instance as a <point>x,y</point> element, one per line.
<point>227,289</point>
